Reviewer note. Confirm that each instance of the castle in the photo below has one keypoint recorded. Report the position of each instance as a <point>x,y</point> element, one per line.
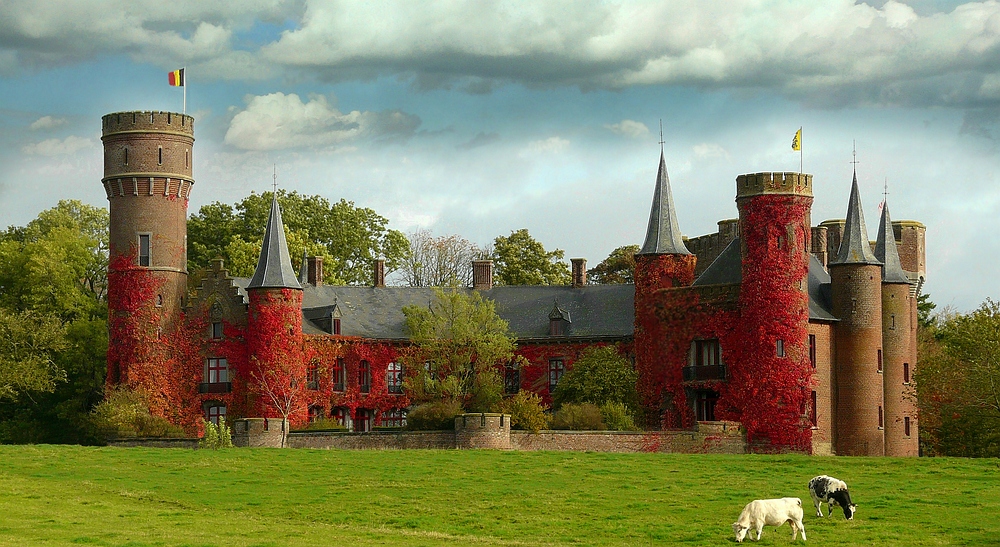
<point>804,334</point>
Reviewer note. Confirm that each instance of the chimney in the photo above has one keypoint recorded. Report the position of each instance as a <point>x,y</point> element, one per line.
<point>579,272</point>
<point>379,277</point>
<point>819,244</point>
<point>314,269</point>
<point>482,275</point>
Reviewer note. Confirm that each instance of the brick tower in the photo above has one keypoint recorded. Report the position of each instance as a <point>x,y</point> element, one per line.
<point>147,179</point>
<point>775,239</point>
<point>856,292</point>
<point>898,355</point>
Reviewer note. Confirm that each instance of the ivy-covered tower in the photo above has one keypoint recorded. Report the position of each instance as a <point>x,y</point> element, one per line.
<point>775,240</point>
<point>276,372</point>
<point>856,294</point>
<point>147,180</point>
<point>898,357</point>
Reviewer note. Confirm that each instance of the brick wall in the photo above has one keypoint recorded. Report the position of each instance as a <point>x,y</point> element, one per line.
<point>822,435</point>
<point>373,440</point>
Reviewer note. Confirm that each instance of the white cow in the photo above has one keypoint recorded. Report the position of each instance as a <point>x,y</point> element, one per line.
<point>759,513</point>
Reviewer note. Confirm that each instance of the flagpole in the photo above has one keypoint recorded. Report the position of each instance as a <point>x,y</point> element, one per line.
<point>185,86</point>
<point>800,149</point>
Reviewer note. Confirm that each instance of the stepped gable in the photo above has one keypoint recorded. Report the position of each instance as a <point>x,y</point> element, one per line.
<point>663,236</point>
<point>274,267</point>
<point>855,247</point>
<point>886,252</point>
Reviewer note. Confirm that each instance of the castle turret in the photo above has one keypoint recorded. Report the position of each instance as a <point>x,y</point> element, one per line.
<point>274,327</point>
<point>776,241</point>
<point>663,261</point>
<point>856,294</point>
<point>147,179</point>
<point>898,357</point>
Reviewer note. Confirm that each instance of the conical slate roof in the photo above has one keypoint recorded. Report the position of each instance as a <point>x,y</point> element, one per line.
<point>274,267</point>
<point>885,251</point>
<point>663,235</point>
<point>854,245</point>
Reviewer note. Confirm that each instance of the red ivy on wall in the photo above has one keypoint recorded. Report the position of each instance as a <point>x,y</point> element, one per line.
<point>534,370</point>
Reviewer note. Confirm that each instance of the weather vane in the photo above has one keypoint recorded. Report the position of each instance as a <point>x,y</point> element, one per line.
<point>661,134</point>
<point>885,190</point>
<point>855,154</point>
<point>274,183</point>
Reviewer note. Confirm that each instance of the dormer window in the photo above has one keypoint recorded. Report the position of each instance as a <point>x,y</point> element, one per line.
<point>335,316</point>
<point>559,321</point>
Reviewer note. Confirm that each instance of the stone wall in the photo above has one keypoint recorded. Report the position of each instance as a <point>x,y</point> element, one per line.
<point>154,442</point>
<point>373,440</point>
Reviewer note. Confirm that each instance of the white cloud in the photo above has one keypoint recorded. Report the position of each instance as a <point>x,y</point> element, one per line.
<point>709,150</point>
<point>47,122</point>
<point>629,128</point>
<point>278,121</point>
<point>551,145</point>
<point>57,147</point>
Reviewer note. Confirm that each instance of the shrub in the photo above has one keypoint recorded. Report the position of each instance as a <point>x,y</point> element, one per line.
<point>526,411</point>
<point>216,436</point>
<point>600,375</point>
<point>582,416</point>
<point>125,413</point>
<point>617,417</point>
<point>433,416</point>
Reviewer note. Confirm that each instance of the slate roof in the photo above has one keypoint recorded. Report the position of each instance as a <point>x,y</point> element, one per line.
<point>663,236</point>
<point>886,252</point>
<point>855,247</point>
<point>274,267</point>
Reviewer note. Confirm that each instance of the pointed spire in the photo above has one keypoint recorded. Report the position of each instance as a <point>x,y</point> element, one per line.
<point>274,267</point>
<point>885,251</point>
<point>854,245</point>
<point>663,236</point>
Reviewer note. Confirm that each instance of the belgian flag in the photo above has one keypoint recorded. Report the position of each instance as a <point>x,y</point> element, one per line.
<point>176,78</point>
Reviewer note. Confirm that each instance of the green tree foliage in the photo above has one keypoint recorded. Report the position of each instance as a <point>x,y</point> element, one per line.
<point>578,417</point>
<point>618,267</point>
<point>925,309</point>
<point>601,375</point>
<point>348,238</point>
<point>434,415</point>
<point>958,383</point>
<point>526,411</point>
<point>459,344</point>
<point>28,344</point>
<point>617,417</point>
<point>125,413</point>
<point>521,260</point>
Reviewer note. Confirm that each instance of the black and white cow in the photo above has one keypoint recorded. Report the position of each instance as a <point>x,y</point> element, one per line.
<point>831,491</point>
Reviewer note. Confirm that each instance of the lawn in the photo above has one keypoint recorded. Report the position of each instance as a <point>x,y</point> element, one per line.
<point>61,495</point>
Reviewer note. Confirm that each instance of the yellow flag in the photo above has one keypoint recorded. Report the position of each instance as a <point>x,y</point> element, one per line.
<point>797,140</point>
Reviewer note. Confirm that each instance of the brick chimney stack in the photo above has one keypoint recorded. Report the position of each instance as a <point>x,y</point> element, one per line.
<point>314,270</point>
<point>579,272</point>
<point>482,275</point>
<point>379,273</point>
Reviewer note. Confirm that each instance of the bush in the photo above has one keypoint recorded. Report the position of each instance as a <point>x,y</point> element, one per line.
<point>617,417</point>
<point>433,416</point>
<point>216,436</point>
<point>125,413</point>
<point>583,416</point>
<point>600,375</point>
<point>526,411</point>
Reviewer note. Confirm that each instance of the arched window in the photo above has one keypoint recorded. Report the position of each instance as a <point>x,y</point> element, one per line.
<point>215,412</point>
<point>394,377</point>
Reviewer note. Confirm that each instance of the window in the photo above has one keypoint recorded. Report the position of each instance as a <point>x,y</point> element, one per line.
<point>779,346</point>
<point>906,426</point>
<point>217,330</point>
<point>706,353</point>
<point>126,157</point>
<point>315,413</point>
<point>218,370</point>
<point>365,377</point>
<point>511,378</point>
<point>312,375</point>
<point>394,377</point>
<point>879,364</point>
<point>812,409</point>
<point>216,413</point>
<point>556,370</point>
<point>159,301</point>
<point>336,325</point>
<point>144,250</point>
<point>556,327</point>
<point>892,321</point>
<point>362,420</point>
<point>906,373</point>
<point>339,375</point>
<point>159,159</point>
<point>704,405</point>
<point>395,417</point>
<point>880,417</point>
<point>812,351</point>
<point>342,416</point>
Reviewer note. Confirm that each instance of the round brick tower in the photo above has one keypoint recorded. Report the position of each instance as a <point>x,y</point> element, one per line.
<point>775,240</point>
<point>147,179</point>
<point>856,292</point>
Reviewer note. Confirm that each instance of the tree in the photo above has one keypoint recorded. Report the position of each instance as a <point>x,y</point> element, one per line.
<point>348,238</point>
<point>459,346</point>
<point>601,375</point>
<point>439,261</point>
<point>28,344</point>
<point>521,260</point>
<point>618,267</point>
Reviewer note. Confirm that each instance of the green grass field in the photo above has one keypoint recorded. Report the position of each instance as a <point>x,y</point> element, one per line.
<point>62,495</point>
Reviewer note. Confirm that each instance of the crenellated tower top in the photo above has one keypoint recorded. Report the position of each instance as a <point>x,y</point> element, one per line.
<point>758,184</point>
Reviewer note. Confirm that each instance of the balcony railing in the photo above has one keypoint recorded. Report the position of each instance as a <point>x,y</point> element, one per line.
<point>215,387</point>
<point>706,372</point>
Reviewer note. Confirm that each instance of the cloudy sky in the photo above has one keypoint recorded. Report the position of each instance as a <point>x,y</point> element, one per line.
<point>479,118</point>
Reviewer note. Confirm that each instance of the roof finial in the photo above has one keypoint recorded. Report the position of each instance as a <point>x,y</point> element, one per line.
<point>885,190</point>
<point>661,134</point>
<point>274,184</point>
<point>855,155</point>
